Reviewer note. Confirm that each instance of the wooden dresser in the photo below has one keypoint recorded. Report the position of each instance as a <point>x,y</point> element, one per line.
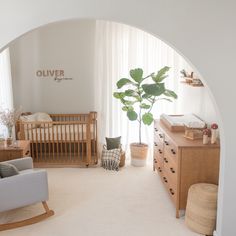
<point>181,162</point>
<point>22,149</point>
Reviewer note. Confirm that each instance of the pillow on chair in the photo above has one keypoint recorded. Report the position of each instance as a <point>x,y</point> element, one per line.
<point>7,170</point>
<point>113,143</point>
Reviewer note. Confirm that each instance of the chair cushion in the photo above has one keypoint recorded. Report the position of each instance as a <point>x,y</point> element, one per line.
<point>111,159</point>
<point>7,170</point>
<point>113,143</point>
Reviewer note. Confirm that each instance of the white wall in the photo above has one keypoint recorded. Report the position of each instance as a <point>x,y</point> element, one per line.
<point>203,31</point>
<point>70,46</point>
<point>66,45</point>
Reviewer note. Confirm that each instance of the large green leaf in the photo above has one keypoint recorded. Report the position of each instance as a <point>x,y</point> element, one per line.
<point>154,89</point>
<point>127,108</point>
<point>161,74</point>
<point>144,106</point>
<point>146,96</point>
<point>132,115</point>
<point>119,95</point>
<point>123,82</point>
<point>137,74</point>
<point>170,93</point>
<point>147,118</point>
<point>127,102</point>
<point>130,93</point>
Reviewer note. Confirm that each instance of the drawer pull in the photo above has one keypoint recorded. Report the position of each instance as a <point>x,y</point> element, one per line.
<point>165,159</point>
<point>166,143</point>
<point>155,144</point>
<point>159,168</point>
<point>156,129</point>
<point>160,135</point>
<point>165,179</point>
<point>173,151</point>
<point>172,170</point>
<point>155,161</point>
<point>159,150</point>
<point>171,191</point>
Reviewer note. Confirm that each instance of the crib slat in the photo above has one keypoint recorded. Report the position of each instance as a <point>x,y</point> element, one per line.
<point>53,141</point>
<point>65,143</point>
<point>57,143</point>
<point>36,136</point>
<point>62,151</point>
<point>74,142</point>
<point>32,141</point>
<point>78,134</point>
<point>82,142</point>
<point>40,144</point>
<point>69,146</point>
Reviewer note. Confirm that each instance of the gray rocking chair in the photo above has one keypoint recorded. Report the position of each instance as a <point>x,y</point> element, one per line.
<point>28,187</point>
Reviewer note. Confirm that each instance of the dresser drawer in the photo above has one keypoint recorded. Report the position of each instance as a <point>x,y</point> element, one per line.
<point>170,149</point>
<point>158,167</point>
<point>159,135</point>
<point>170,186</point>
<point>170,169</point>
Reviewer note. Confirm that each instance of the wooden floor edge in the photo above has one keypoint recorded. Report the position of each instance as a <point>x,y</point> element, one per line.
<point>63,165</point>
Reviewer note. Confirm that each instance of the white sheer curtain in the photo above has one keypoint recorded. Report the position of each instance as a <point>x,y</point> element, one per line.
<point>6,96</point>
<point>120,48</point>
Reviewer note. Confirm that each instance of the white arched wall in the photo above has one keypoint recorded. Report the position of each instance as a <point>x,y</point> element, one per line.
<point>203,31</point>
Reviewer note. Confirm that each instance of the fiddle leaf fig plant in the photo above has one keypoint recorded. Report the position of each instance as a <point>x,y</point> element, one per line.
<point>139,94</point>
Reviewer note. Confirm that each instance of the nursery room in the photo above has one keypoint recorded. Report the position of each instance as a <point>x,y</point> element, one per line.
<point>103,124</point>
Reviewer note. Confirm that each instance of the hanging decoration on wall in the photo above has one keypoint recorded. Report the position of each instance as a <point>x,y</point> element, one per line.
<point>56,75</point>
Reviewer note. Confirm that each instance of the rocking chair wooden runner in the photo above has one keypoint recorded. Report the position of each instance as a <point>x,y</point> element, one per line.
<point>28,187</point>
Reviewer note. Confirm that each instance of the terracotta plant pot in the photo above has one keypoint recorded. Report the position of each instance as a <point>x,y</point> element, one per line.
<point>138,154</point>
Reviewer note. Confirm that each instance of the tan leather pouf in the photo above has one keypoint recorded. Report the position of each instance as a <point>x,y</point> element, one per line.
<point>201,208</point>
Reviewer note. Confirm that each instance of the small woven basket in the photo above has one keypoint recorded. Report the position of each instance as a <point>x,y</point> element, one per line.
<point>122,156</point>
<point>122,159</point>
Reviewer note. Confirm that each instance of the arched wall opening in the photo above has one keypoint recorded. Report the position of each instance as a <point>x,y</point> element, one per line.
<point>82,49</point>
<point>188,41</point>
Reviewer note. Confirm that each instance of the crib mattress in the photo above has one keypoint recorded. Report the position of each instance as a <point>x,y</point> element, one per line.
<point>59,133</point>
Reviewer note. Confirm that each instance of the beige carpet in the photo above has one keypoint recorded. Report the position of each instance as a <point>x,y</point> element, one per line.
<point>96,202</point>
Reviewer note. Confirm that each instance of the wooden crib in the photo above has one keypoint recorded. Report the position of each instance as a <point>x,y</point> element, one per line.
<point>69,140</point>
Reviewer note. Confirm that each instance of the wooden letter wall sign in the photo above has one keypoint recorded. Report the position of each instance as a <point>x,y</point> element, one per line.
<point>57,75</point>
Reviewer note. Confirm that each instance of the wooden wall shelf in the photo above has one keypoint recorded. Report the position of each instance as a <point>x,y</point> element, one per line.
<point>193,85</point>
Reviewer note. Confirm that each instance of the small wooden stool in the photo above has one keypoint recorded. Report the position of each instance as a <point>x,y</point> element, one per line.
<point>201,208</point>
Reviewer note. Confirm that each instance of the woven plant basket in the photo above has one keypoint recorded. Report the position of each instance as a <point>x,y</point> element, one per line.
<point>201,208</point>
<point>138,154</point>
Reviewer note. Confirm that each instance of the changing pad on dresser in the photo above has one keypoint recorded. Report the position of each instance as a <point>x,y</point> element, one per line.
<point>178,122</point>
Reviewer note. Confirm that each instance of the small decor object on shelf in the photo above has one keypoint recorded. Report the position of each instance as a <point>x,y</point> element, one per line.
<point>190,79</point>
<point>214,133</point>
<point>8,117</point>
<point>206,136</point>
